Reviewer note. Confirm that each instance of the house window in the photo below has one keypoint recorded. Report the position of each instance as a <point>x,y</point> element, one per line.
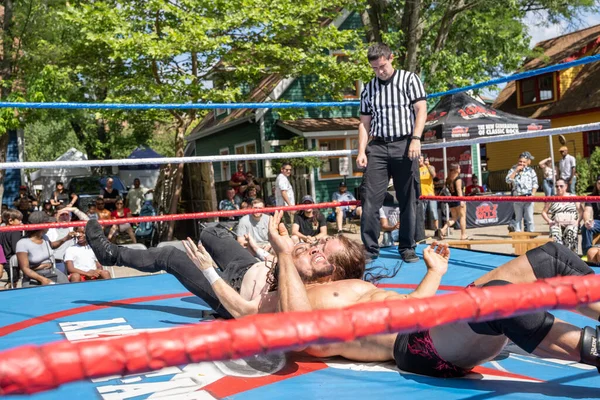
<point>591,142</point>
<point>538,89</point>
<point>352,92</point>
<point>248,148</point>
<point>337,167</point>
<point>225,166</point>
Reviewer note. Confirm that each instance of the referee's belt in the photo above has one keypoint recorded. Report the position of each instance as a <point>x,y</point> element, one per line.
<point>390,139</point>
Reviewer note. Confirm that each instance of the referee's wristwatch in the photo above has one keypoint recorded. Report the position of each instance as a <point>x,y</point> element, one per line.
<point>416,138</point>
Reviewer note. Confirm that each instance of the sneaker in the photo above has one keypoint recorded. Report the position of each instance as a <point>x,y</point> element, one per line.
<point>409,256</point>
<point>106,252</point>
<point>511,228</point>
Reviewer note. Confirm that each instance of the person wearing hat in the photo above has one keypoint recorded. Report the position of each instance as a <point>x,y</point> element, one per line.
<point>566,167</point>
<point>343,212</point>
<point>591,219</point>
<point>309,225</point>
<point>35,255</point>
<point>524,182</point>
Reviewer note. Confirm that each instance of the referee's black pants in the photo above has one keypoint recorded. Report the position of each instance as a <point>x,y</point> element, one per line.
<point>385,160</point>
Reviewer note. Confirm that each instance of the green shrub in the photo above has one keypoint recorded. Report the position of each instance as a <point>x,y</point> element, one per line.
<point>583,175</point>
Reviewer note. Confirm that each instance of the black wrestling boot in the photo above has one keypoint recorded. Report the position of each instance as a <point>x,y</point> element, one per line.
<point>106,252</point>
<point>590,345</point>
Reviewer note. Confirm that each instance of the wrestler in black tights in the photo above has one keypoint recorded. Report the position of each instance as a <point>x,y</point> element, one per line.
<point>232,259</point>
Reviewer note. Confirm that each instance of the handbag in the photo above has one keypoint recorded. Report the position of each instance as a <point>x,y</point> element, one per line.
<point>50,273</point>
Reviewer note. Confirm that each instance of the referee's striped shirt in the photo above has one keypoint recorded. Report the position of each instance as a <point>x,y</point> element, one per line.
<point>389,103</point>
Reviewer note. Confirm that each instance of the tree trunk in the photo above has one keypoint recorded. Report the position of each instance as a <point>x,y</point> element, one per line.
<point>454,8</point>
<point>413,31</point>
<point>176,193</point>
<point>373,20</point>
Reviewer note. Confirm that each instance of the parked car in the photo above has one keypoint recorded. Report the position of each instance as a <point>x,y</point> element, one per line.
<point>88,188</point>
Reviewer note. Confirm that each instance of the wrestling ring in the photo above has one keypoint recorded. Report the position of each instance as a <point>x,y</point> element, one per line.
<point>146,337</point>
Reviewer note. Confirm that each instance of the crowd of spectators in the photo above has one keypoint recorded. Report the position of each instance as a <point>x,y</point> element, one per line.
<point>61,255</point>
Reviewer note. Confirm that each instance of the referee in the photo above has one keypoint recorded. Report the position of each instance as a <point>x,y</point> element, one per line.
<point>393,111</point>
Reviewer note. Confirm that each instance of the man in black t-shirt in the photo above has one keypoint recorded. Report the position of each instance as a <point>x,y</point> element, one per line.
<point>309,225</point>
<point>591,219</point>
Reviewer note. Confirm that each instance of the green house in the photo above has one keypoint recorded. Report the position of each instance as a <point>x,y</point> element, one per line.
<point>250,131</point>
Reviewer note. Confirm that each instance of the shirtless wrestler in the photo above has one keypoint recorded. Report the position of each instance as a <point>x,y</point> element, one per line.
<point>238,268</point>
<point>446,351</point>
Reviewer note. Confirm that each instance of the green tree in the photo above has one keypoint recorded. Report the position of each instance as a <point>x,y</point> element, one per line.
<point>296,144</point>
<point>457,42</point>
<point>582,170</point>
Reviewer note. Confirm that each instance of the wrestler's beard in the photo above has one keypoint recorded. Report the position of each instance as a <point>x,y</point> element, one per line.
<point>317,275</point>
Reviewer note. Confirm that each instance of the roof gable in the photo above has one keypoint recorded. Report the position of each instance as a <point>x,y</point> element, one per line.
<point>270,88</point>
<point>584,91</point>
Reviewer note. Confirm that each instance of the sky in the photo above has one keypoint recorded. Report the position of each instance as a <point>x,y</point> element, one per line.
<point>539,33</point>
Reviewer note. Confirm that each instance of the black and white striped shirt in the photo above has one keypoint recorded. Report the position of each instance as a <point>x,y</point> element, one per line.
<point>390,104</point>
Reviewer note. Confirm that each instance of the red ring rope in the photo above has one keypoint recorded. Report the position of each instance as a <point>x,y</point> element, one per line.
<point>177,217</point>
<point>31,369</point>
<point>333,204</point>
<point>514,199</point>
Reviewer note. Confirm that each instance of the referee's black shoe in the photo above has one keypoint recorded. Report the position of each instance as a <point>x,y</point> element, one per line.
<point>409,256</point>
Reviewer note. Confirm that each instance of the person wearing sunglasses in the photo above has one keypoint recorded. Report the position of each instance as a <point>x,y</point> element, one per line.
<point>563,218</point>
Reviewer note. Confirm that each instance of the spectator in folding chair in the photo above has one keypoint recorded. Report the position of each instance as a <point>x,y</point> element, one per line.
<point>82,264</point>
<point>8,241</point>
<point>389,217</point>
<point>309,225</point>
<point>35,257</point>
<point>340,214</point>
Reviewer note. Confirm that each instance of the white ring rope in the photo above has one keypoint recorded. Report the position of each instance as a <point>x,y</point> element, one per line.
<point>301,154</point>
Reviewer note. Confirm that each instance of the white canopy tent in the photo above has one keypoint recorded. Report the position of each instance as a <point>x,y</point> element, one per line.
<point>46,178</point>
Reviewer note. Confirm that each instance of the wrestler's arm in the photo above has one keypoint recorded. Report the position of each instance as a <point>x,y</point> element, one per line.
<point>292,293</point>
<point>232,301</point>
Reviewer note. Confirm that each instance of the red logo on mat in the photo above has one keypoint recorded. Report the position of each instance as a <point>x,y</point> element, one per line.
<point>534,127</point>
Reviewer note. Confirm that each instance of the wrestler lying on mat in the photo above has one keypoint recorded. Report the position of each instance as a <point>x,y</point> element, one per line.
<point>442,350</point>
<point>250,278</point>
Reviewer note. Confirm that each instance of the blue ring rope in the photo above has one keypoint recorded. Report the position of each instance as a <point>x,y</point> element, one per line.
<point>210,106</point>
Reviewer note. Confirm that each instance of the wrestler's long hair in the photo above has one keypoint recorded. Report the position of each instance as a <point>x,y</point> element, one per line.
<point>349,264</point>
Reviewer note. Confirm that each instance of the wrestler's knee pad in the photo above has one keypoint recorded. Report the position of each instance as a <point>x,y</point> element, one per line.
<point>526,331</point>
<point>590,345</point>
<point>484,328</point>
<point>553,259</point>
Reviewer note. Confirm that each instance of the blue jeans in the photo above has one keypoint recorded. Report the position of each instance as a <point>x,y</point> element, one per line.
<point>572,185</point>
<point>587,235</point>
<point>432,207</point>
<point>524,211</point>
<point>549,189</point>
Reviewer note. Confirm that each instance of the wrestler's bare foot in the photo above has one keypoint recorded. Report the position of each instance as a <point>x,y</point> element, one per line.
<point>436,257</point>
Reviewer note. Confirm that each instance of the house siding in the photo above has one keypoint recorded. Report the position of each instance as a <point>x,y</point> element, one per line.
<point>353,22</point>
<point>567,77</point>
<point>503,155</point>
<point>324,189</point>
<point>210,145</point>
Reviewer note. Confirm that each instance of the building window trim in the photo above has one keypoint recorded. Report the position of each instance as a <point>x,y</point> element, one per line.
<point>247,163</point>
<point>555,94</point>
<point>225,165</point>
<point>351,171</point>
